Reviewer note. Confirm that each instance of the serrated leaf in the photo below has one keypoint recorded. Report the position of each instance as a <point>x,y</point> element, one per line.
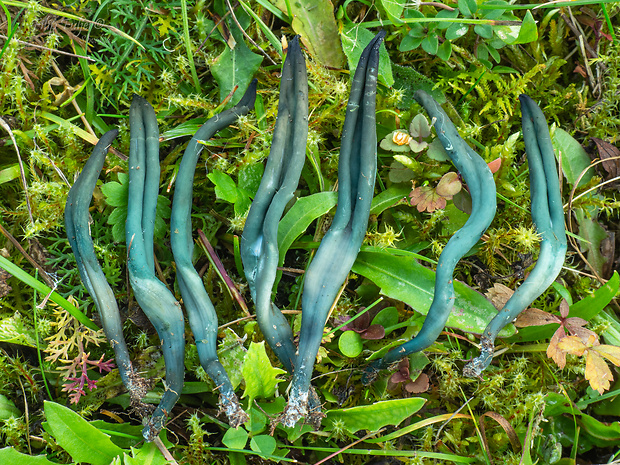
<point>235,67</point>
<point>10,456</point>
<point>16,331</point>
<point>405,279</point>
<point>373,417</point>
<point>82,441</point>
<point>314,20</point>
<point>598,372</point>
<point>116,192</point>
<point>611,353</point>
<point>261,378</point>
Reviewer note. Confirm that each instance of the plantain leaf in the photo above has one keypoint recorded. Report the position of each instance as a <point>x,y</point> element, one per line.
<point>300,216</point>
<point>82,441</point>
<point>574,157</point>
<point>373,417</point>
<point>314,21</point>
<point>8,455</point>
<point>405,279</point>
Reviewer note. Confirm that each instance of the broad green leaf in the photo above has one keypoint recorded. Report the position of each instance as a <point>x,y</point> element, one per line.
<point>235,438</point>
<point>574,157</point>
<point>354,40</point>
<point>300,216</point>
<point>8,409</point>
<point>148,454</point>
<point>314,21</point>
<point>587,308</point>
<point>388,198</point>
<point>263,444</point>
<point>528,32</point>
<point>10,456</point>
<point>405,279</point>
<point>373,417</point>
<point>16,331</point>
<point>235,67</point>
<point>261,378</point>
<point>250,176</point>
<point>82,441</point>
<point>394,10</point>
<point>10,173</point>
<point>350,344</point>
<point>225,188</point>
<point>129,434</point>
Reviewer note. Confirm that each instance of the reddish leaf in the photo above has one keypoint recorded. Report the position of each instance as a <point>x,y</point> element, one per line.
<point>374,332</point>
<point>421,384</point>
<point>554,352</point>
<point>535,317</point>
<point>609,154</point>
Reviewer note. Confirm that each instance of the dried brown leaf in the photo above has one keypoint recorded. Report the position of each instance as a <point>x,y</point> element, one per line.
<point>598,372</point>
<point>499,295</point>
<point>553,351</point>
<point>535,317</point>
<point>611,353</point>
<point>421,384</point>
<point>573,345</point>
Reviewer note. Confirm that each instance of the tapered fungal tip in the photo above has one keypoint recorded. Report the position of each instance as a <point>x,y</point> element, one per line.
<point>108,137</point>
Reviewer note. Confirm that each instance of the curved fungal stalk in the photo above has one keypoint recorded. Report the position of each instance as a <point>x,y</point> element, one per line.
<point>356,183</point>
<point>259,242</point>
<point>156,300</point>
<point>200,311</point>
<point>76,224</point>
<point>548,217</point>
<point>481,186</point>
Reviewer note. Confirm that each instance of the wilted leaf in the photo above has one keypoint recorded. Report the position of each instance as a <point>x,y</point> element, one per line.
<point>573,345</point>
<point>449,185</point>
<point>421,384</point>
<point>261,378</point>
<point>426,198</point>
<point>610,155</point>
<point>598,372</point>
<point>374,332</point>
<point>535,317</point>
<point>611,353</point>
<point>553,351</point>
<point>499,295</point>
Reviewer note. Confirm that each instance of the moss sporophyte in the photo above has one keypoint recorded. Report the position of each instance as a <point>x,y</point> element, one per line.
<point>336,253</point>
